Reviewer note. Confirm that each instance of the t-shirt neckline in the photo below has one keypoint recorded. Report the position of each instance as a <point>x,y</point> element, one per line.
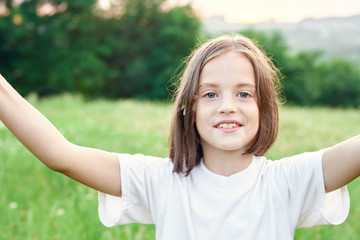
<point>237,180</point>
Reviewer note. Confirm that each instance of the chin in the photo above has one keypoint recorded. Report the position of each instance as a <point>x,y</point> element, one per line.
<point>231,149</point>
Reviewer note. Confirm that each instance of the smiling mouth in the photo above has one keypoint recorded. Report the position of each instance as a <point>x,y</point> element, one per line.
<point>228,125</point>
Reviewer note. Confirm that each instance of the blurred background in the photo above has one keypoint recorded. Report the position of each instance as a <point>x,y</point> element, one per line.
<point>62,53</point>
<point>134,48</point>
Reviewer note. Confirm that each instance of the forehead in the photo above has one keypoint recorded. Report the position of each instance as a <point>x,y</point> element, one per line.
<point>228,68</point>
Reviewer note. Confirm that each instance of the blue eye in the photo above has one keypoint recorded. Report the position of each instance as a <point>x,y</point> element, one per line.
<point>244,95</point>
<point>210,95</point>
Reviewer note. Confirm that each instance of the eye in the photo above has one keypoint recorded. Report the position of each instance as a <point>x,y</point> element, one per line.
<point>210,95</point>
<point>244,94</point>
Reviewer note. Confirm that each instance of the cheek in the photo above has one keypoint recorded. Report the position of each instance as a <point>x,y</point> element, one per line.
<point>202,113</point>
<point>200,118</point>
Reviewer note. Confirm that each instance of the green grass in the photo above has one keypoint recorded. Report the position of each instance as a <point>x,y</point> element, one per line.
<point>36,203</point>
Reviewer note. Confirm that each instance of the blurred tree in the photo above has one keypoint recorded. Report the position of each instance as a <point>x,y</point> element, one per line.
<point>339,83</point>
<point>149,44</point>
<point>8,4</point>
<point>51,46</point>
<point>273,43</point>
<point>309,80</point>
<point>51,53</point>
<point>301,84</point>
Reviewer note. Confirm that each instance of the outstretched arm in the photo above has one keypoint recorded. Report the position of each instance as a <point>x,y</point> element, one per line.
<point>92,167</point>
<point>341,163</point>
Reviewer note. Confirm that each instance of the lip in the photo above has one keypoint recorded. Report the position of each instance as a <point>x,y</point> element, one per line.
<point>228,130</point>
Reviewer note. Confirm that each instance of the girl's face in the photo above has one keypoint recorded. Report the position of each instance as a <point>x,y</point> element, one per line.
<point>227,114</point>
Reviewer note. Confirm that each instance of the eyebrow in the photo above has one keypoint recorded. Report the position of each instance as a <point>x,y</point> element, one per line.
<point>216,85</point>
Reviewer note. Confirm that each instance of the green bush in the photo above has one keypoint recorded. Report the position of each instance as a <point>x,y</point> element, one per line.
<point>149,45</point>
<point>340,83</point>
<point>307,78</point>
<point>79,49</point>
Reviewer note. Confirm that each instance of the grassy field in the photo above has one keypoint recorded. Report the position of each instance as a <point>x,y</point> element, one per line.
<point>36,203</point>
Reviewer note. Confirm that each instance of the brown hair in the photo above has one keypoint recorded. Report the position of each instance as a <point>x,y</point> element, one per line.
<point>184,141</point>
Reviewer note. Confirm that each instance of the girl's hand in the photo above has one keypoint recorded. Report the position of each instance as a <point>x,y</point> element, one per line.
<point>92,167</point>
<point>341,164</point>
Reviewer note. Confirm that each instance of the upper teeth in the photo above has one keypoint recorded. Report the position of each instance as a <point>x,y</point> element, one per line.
<point>227,125</point>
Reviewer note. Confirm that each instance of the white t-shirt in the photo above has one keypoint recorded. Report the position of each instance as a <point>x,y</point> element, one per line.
<point>267,200</point>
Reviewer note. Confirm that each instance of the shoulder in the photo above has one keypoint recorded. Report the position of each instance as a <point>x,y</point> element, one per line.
<point>303,159</point>
<point>299,167</point>
<point>144,166</point>
<point>141,160</point>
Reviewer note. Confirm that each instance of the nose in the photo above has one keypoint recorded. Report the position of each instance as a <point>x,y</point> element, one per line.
<point>227,105</point>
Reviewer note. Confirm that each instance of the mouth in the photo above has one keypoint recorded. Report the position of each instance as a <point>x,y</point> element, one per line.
<point>228,125</point>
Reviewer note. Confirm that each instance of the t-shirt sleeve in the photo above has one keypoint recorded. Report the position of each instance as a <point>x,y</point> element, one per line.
<point>308,199</point>
<point>137,179</point>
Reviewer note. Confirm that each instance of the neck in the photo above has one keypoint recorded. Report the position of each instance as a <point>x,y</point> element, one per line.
<point>226,163</point>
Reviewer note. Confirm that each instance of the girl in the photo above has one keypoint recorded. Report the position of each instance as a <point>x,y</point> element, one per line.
<point>215,184</point>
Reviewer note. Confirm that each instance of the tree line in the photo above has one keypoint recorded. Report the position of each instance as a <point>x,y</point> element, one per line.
<point>79,48</point>
<point>309,79</point>
<point>135,50</point>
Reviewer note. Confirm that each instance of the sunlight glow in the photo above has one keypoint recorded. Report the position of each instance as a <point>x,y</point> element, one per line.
<point>255,11</point>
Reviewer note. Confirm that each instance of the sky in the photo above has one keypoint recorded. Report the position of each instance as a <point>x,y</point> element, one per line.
<point>254,11</point>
